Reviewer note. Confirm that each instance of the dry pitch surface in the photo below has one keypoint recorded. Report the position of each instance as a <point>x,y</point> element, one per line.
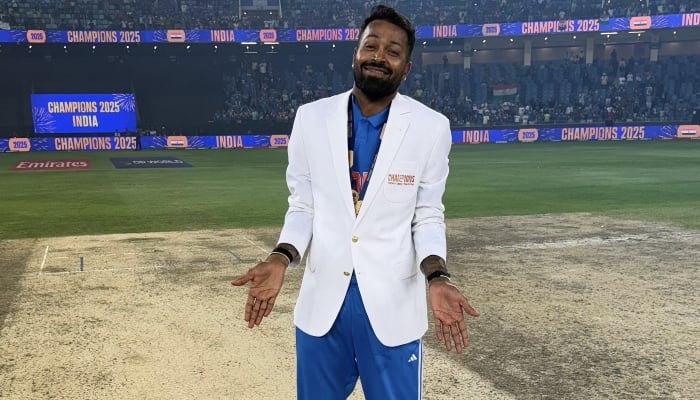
<point>573,307</point>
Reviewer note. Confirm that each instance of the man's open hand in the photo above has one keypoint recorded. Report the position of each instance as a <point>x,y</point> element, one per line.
<point>449,305</point>
<point>266,280</point>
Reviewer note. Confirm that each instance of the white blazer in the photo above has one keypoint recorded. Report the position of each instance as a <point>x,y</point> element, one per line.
<point>400,223</point>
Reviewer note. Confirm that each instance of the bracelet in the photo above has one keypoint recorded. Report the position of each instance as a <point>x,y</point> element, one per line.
<point>283,255</point>
<point>439,274</point>
<point>284,252</point>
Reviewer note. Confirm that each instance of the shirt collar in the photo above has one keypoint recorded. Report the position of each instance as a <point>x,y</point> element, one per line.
<point>376,120</point>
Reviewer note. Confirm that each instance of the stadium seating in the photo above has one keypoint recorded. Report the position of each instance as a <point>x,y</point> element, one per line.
<point>201,14</point>
<point>568,92</point>
<point>565,91</point>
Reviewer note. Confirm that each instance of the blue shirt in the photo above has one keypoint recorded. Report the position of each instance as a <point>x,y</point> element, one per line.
<point>366,131</point>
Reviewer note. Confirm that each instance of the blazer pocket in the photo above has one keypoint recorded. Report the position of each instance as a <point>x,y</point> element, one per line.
<point>401,182</point>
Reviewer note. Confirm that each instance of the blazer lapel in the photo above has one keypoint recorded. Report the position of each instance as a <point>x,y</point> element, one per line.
<point>396,127</point>
<point>336,125</point>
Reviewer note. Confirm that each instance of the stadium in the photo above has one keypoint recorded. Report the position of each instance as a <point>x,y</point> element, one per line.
<point>142,165</point>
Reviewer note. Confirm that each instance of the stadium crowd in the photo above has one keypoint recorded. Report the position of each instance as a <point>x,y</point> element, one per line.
<point>568,91</point>
<point>215,14</point>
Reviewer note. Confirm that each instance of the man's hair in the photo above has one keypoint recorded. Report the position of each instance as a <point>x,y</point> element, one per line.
<point>385,13</point>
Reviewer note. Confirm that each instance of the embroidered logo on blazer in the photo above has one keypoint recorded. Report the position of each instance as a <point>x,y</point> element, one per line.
<point>401,179</point>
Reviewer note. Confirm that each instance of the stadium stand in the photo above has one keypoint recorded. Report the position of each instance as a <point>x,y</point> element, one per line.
<point>200,14</point>
<point>562,92</point>
<point>248,93</point>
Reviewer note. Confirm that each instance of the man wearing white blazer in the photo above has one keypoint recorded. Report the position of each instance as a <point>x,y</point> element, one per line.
<point>366,175</point>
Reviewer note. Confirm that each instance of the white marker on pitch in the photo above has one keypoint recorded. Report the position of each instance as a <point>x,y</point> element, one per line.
<point>46,252</point>
<point>238,259</point>
<point>256,245</point>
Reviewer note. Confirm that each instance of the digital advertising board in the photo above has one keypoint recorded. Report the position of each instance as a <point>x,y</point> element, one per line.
<point>56,114</point>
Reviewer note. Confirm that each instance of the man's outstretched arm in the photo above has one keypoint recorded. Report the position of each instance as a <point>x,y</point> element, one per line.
<point>266,279</point>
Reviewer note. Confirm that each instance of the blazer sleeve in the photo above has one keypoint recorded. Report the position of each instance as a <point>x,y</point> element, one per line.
<point>428,224</point>
<point>298,222</point>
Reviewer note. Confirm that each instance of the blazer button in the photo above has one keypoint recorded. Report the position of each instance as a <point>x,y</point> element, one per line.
<point>346,273</point>
<point>355,239</point>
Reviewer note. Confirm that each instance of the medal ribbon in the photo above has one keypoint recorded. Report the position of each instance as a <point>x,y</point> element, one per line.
<point>357,197</point>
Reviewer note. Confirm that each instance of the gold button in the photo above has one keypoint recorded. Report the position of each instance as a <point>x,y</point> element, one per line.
<point>346,273</point>
<point>355,239</point>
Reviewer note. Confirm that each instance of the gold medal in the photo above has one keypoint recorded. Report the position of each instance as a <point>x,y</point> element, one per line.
<point>358,205</point>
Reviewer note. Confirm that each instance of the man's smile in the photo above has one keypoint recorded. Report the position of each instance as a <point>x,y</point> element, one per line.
<point>376,71</point>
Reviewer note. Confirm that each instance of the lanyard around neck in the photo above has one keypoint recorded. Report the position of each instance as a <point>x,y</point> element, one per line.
<point>357,197</point>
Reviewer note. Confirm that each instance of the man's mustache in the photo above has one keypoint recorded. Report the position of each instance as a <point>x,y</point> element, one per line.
<point>376,65</point>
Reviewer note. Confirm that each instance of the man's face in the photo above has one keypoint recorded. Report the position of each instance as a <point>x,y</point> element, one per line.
<point>381,59</point>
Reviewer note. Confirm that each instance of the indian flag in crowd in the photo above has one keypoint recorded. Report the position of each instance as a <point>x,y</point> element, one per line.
<point>505,89</point>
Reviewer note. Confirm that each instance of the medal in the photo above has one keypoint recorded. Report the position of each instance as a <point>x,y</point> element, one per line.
<point>359,194</point>
<point>358,205</point>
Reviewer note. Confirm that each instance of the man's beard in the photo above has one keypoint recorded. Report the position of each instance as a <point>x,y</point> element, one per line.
<point>375,88</point>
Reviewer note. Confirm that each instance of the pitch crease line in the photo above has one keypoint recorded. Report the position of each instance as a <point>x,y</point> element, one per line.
<point>46,252</point>
<point>256,245</point>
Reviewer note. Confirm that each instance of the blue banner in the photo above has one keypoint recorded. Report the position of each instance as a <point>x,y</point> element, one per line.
<point>638,23</point>
<point>83,113</point>
<point>214,142</point>
<point>111,143</point>
<point>473,136</point>
<point>576,134</point>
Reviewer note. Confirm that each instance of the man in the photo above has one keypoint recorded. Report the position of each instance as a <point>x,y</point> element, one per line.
<point>366,175</point>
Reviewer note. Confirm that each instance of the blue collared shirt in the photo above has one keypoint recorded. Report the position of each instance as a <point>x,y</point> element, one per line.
<point>366,131</point>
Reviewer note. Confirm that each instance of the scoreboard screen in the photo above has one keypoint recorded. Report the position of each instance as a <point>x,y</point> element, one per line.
<point>83,113</point>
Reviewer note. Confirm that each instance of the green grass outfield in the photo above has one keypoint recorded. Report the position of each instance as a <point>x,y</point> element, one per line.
<point>657,181</point>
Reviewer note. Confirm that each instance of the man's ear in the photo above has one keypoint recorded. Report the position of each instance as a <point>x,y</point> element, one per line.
<point>407,70</point>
